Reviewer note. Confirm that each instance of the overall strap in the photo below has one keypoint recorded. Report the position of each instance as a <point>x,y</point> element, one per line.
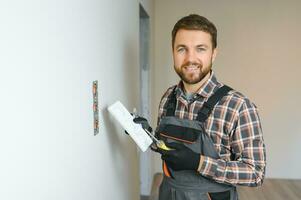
<point>171,103</point>
<point>208,106</point>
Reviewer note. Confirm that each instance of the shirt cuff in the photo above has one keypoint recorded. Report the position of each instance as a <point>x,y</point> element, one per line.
<point>208,166</point>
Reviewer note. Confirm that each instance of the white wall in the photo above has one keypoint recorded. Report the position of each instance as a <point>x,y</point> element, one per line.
<point>51,51</point>
<point>259,55</point>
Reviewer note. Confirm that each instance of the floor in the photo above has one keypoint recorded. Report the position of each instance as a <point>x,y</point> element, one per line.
<point>272,189</point>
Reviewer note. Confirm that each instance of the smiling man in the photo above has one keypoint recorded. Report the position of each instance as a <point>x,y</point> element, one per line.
<point>214,131</point>
<point>193,56</point>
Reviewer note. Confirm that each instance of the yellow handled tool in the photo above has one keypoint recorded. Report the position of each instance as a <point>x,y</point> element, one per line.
<point>160,143</point>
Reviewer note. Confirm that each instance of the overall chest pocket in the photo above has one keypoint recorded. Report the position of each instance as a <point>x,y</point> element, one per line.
<point>186,135</point>
<point>185,131</point>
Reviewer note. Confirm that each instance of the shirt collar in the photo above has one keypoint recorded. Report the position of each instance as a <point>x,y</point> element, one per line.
<point>205,91</point>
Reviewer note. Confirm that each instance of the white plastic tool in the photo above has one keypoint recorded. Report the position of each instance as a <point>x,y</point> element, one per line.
<point>125,119</point>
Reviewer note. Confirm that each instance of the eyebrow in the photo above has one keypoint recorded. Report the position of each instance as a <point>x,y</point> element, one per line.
<point>199,45</point>
<point>180,45</point>
<point>202,45</point>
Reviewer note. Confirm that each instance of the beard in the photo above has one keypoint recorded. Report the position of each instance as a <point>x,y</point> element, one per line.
<point>194,76</point>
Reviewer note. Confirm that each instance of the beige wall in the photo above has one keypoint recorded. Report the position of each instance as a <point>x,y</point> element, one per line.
<point>259,55</point>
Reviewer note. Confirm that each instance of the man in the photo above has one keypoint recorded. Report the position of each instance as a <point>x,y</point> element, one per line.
<point>213,131</point>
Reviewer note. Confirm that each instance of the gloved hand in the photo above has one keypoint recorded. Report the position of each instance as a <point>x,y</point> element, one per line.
<point>181,158</point>
<point>143,122</point>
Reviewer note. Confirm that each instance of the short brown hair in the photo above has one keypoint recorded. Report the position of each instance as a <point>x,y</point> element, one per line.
<point>195,22</point>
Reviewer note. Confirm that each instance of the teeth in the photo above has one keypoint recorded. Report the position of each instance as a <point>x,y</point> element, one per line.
<point>191,67</point>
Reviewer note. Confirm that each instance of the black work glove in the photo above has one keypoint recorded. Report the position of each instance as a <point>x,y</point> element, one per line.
<point>181,158</point>
<point>143,122</point>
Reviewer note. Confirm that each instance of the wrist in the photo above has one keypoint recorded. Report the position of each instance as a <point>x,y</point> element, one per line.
<point>200,163</point>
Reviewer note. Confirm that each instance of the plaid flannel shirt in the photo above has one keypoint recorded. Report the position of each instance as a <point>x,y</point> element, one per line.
<point>235,129</point>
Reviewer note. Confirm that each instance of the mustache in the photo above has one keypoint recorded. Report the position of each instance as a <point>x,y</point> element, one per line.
<point>191,63</point>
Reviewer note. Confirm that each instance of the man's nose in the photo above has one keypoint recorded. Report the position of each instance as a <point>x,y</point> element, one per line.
<point>191,56</point>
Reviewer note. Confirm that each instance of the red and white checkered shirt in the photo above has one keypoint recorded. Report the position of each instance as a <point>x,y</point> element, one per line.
<point>235,129</point>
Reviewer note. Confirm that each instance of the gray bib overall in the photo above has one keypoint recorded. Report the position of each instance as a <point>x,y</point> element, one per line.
<point>188,184</point>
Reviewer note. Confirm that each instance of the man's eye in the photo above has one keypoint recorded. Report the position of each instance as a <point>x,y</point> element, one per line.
<point>201,49</point>
<point>181,49</point>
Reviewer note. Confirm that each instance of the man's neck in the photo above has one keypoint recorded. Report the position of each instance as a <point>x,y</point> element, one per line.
<point>194,88</point>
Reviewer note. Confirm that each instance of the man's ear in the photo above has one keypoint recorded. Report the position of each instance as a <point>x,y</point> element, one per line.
<point>214,53</point>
